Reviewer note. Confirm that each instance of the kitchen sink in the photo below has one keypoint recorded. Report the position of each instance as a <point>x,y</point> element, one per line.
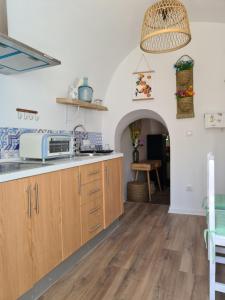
<point>89,154</point>
<point>14,166</point>
<point>93,153</point>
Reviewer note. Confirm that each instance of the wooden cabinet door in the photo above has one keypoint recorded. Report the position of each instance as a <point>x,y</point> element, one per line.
<point>46,223</point>
<point>70,201</point>
<point>15,239</point>
<point>113,204</point>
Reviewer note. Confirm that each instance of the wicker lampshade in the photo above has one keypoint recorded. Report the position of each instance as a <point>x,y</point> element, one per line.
<point>165,27</point>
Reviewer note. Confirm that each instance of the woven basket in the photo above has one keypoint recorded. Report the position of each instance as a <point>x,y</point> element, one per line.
<point>137,191</point>
<point>184,77</point>
<point>185,104</point>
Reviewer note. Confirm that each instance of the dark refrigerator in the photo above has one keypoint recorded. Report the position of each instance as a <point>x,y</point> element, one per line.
<point>158,148</point>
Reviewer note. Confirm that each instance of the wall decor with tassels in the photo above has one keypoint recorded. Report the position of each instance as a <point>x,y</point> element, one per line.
<point>184,84</point>
<point>142,81</point>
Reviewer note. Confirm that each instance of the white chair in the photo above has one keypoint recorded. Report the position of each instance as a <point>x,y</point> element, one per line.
<point>216,231</point>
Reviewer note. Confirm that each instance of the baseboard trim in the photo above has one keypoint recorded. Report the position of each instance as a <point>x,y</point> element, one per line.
<point>180,211</point>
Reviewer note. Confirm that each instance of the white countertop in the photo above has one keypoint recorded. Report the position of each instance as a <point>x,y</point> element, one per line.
<point>58,164</point>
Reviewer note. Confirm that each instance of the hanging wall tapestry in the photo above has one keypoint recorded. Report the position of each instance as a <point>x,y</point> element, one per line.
<point>184,83</point>
<point>142,82</point>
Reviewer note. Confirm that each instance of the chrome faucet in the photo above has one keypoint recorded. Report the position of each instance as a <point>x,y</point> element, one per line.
<point>79,126</point>
<point>78,141</point>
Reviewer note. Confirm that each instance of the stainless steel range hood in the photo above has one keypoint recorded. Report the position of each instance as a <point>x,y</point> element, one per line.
<point>16,57</point>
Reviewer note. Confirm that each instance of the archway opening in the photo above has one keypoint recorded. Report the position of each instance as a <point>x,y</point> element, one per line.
<point>154,146</point>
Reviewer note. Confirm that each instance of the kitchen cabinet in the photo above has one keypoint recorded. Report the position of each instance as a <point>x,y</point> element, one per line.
<point>46,223</point>
<point>113,203</point>
<point>92,221</point>
<point>30,232</point>
<point>91,200</point>
<point>45,218</point>
<point>16,265</point>
<point>70,201</point>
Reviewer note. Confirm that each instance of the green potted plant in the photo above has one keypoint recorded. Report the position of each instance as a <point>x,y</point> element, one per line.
<point>184,70</point>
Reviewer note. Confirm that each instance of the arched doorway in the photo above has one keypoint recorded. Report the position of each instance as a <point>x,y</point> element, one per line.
<point>154,135</point>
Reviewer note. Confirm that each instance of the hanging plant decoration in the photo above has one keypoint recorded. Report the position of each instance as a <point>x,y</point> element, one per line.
<point>184,81</point>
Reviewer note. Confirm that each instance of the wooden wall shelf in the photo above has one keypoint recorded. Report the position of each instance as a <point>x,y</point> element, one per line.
<point>81,104</point>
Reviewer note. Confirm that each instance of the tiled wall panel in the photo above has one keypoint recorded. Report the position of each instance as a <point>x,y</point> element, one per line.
<point>9,139</point>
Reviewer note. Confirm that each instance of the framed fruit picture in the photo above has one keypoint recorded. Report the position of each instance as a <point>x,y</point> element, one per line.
<point>142,85</point>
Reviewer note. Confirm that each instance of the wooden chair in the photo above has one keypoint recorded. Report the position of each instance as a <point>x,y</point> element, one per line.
<point>147,166</point>
<point>216,231</point>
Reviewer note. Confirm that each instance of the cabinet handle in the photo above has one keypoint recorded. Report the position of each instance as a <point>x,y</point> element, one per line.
<point>29,211</point>
<point>94,228</point>
<point>94,191</point>
<point>94,210</point>
<point>107,174</point>
<point>93,173</point>
<point>36,190</point>
<point>79,183</point>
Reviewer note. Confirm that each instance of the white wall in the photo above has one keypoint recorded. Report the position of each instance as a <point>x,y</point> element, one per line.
<point>127,149</point>
<point>188,153</point>
<point>82,34</point>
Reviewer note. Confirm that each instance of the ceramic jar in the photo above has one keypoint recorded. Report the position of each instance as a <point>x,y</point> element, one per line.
<point>85,92</point>
<point>135,155</point>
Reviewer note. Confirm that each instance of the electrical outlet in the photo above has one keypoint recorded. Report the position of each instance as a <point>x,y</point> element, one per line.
<point>189,133</point>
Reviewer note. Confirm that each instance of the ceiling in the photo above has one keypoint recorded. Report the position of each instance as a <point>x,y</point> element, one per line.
<point>206,10</point>
<point>92,35</point>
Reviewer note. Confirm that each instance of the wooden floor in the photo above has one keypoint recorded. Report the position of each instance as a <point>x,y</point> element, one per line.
<point>151,256</point>
<point>161,197</point>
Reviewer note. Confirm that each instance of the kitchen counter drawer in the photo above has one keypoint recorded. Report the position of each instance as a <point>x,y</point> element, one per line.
<point>91,172</point>
<point>92,220</point>
<point>91,191</point>
<point>93,205</point>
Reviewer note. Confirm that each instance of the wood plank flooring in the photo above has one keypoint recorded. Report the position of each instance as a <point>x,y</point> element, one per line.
<point>151,256</point>
<point>161,197</point>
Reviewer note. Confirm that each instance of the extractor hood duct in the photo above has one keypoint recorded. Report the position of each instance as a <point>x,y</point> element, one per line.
<point>16,57</point>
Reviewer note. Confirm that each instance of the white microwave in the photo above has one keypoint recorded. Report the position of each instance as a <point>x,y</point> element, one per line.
<point>45,146</point>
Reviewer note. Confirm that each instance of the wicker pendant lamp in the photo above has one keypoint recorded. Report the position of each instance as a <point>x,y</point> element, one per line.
<point>165,27</point>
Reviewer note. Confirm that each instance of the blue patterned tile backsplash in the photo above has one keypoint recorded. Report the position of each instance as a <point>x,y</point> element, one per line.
<point>9,139</point>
